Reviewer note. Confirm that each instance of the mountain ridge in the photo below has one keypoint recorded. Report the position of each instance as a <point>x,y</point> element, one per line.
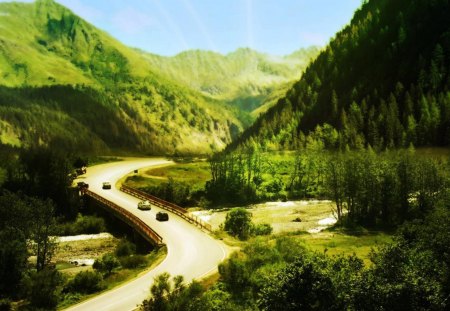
<point>382,82</point>
<point>55,47</point>
<point>43,44</point>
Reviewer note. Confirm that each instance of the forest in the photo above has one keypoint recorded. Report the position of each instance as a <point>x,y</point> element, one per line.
<point>382,82</point>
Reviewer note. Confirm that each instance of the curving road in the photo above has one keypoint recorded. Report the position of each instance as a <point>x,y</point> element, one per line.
<point>190,252</point>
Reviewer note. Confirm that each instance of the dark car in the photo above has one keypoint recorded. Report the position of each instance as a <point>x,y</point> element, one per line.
<point>82,185</point>
<point>106,185</point>
<point>161,216</point>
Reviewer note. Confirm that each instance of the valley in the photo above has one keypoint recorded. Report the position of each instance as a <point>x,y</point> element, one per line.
<point>305,168</point>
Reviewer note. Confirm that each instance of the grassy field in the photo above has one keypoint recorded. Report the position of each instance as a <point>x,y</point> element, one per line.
<point>195,174</point>
<point>291,216</point>
<point>337,242</point>
<point>84,249</point>
<point>94,249</point>
<point>312,230</point>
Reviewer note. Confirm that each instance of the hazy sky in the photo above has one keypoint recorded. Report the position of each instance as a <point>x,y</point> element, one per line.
<point>168,27</point>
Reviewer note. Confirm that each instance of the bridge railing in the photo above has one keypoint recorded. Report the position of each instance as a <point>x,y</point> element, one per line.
<point>177,210</point>
<point>132,219</point>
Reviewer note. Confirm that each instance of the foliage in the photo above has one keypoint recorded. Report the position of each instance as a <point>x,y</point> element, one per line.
<point>235,178</point>
<point>86,282</point>
<point>262,229</point>
<point>173,191</point>
<point>368,188</point>
<point>43,231</point>
<point>106,264</point>
<point>84,224</point>
<point>238,223</point>
<point>125,248</point>
<point>79,89</point>
<point>384,189</point>
<point>133,261</point>
<point>410,273</point>
<point>43,288</point>
<point>400,97</point>
<point>303,285</point>
<point>45,173</point>
<point>171,295</point>
<point>13,260</point>
<point>240,77</point>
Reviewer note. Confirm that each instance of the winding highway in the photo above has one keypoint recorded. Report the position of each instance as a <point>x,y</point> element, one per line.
<point>190,251</point>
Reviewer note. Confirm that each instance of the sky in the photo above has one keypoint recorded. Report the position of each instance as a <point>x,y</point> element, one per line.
<point>168,27</point>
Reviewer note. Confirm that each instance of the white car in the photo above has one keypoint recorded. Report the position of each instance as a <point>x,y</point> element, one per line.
<point>106,185</point>
<point>144,205</point>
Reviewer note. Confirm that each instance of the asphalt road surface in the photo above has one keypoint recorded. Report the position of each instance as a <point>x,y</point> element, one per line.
<point>190,251</point>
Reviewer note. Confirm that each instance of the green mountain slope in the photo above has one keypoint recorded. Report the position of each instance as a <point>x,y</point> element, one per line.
<point>244,78</point>
<point>44,44</point>
<point>383,81</point>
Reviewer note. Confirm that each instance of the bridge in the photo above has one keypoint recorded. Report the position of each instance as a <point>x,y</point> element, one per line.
<point>191,251</point>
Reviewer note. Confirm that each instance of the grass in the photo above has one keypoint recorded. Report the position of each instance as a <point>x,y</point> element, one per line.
<point>118,277</point>
<point>84,249</point>
<point>281,215</point>
<point>342,243</point>
<point>195,174</point>
<point>332,241</point>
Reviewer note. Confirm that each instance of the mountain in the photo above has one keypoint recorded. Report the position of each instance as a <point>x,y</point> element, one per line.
<point>383,81</point>
<point>243,78</point>
<point>59,74</point>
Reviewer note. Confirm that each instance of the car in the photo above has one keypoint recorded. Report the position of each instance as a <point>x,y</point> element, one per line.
<point>106,185</point>
<point>82,185</point>
<point>161,216</point>
<point>144,205</point>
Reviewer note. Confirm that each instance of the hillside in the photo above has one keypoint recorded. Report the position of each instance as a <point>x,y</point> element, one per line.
<point>244,77</point>
<point>45,49</point>
<point>383,82</point>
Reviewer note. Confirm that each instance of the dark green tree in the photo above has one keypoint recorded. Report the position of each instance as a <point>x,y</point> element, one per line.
<point>238,222</point>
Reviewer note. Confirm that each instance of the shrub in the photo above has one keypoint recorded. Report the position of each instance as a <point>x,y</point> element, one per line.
<point>262,229</point>
<point>133,262</point>
<point>86,282</point>
<point>106,264</point>
<point>238,223</point>
<point>125,248</point>
<point>83,225</point>
<point>89,225</point>
<point>42,288</point>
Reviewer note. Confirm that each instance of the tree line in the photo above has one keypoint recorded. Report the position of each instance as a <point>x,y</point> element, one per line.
<point>368,188</point>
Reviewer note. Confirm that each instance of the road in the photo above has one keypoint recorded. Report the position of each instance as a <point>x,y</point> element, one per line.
<point>190,252</point>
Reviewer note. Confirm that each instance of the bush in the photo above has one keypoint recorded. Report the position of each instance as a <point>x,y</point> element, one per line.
<point>107,264</point>
<point>86,282</point>
<point>125,248</point>
<point>238,223</point>
<point>83,225</point>
<point>133,262</point>
<point>42,288</point>
<point>89,225</point>
<point>262,229</point>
